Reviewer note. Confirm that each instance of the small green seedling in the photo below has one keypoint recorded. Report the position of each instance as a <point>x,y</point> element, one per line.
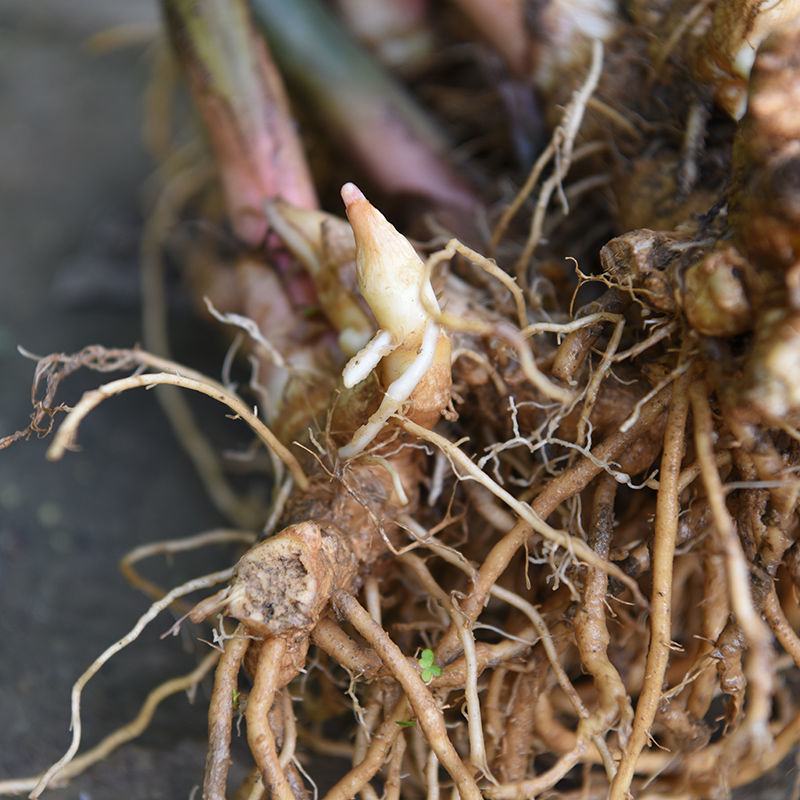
<point>430,669</point>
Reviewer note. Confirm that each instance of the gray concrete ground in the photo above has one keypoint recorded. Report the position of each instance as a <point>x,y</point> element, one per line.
<point>70,186</point>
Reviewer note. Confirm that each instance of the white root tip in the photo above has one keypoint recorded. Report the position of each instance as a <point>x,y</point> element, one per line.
<point>366,359</point>
<point>351,193</point>
<point>352,340</point>
<point>397,393</point>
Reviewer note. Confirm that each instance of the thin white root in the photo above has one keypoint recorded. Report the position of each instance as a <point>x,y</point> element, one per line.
<point>122,735</point>
<point>563,328</point>
<point>637,409</point>
<point>488,265</point>
<point>170,546</point>
<point>397,483</point>
<point>75,718</point>
<point>289,730</point>
<point>661,333</point>
<point>182,183</point>
<point>562,151</point>
<point>250,328</point>
<point>281,496</point>
<point>477,745</point>
<point>363,362</point>
<point>563,539</point>
<point>65,435</point>
<point>398,392</point>
<point>593,389</point>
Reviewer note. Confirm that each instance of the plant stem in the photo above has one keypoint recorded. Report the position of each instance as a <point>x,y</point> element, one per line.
<point>239,94</point>
<point>359,104</point>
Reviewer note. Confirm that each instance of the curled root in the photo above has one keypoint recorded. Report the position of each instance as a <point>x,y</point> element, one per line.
<point>77,690</point>
<point>667,513</point>
<point>759,667</point>
<point>65,436</point>
<point>220,715</point>
<point>476,485</point>
<point>532,521</point>
<point>428,715</point>
<point>259,734</point>
<point>122,735</point>
<point>591,630</point>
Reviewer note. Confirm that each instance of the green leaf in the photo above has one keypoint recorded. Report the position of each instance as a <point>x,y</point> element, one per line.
<point>429,669</point>
<point>406,723</point>
<point>426,658</point>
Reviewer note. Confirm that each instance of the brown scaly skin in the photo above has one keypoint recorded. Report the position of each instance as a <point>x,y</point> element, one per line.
<point>735,269</point>
<point>332,534</point>
<point>329,541</point>
<point>248,120</point>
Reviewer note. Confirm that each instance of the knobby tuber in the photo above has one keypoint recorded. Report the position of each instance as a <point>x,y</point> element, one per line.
<point>533,525</point>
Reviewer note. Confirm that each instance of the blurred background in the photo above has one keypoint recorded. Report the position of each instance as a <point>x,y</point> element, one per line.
<point>72,186</point>
<point>73,175</point>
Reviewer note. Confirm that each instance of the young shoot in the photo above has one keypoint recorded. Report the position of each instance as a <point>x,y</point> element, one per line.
<point>410,350</point>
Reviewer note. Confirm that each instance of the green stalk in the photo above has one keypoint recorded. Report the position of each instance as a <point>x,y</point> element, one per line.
<point>396,31</point>
<point>239,93</point>
<point>370,115</point>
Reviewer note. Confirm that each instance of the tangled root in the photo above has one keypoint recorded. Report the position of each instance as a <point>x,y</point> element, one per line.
<point>515,550</point>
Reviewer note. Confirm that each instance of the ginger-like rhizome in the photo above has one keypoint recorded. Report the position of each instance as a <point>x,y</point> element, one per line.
<point>518,543</point>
